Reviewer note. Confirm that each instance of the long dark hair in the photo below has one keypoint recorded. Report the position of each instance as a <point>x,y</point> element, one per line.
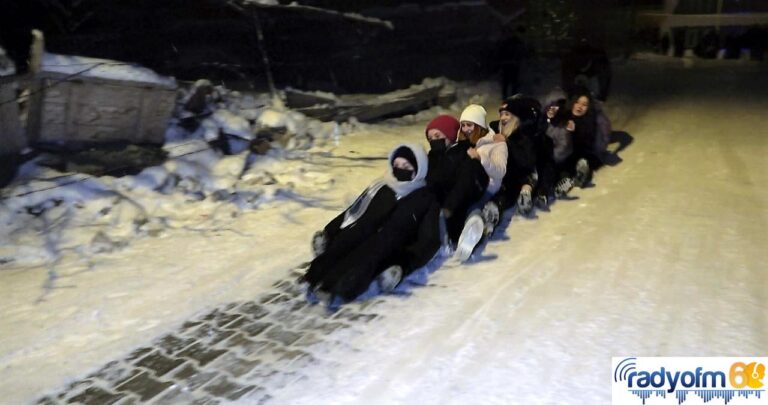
<point>585,123</point>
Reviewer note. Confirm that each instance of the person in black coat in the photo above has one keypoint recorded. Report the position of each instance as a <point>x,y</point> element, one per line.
<point>585,129</point>
<point>519,123</point>
<point>391,230</point>
<point>457,180</point>
<point>445,154</point>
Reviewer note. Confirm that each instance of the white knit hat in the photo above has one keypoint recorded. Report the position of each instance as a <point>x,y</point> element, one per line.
<point>474,113</point>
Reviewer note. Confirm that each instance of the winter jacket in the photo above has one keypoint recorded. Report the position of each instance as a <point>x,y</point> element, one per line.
<point>398,225</point>
<point>457,181</point>
<point>522,155</point>
<point>603,129</point>
<point>562,142</point>
<point>522,162</point>
<point>585,134</point>
<point>562,139</point>
<point>444,167</point>
<point>339,239</point>
<point>593,142</point>
<point>493,157</point>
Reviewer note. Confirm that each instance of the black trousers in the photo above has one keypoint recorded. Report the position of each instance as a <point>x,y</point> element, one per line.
<point>471,182</point>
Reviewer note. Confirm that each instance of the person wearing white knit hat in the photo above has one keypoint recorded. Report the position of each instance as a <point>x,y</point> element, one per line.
<point>490,150</point>
<point>488,147</point>
<point>474,113</point>
<point>473,124</point>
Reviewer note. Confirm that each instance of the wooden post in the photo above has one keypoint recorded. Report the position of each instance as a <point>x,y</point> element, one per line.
<point>719,14</point>
<point>11,135</point>
<point>264,56</point>
<point>665,29</point>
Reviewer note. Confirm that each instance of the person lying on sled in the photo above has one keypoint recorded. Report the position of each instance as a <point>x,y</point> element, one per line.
<point>391,230</point>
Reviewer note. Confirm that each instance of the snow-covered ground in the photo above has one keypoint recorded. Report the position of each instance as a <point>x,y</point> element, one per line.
<point>664,257</point>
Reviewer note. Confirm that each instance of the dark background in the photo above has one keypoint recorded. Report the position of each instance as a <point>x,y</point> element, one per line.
<point>192,39</point>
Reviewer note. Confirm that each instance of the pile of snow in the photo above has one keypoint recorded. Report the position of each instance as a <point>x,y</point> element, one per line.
<point>45,212</point>
<point>215,113</point>
<point>267,158</point>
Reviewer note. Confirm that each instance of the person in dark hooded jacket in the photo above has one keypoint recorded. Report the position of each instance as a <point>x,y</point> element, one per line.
<point>457,180</point>
<point>445,155</point>
<point>518,122</point>
<point>391,230</point>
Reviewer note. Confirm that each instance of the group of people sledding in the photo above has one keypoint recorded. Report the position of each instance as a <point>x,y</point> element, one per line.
<point>454,195</point>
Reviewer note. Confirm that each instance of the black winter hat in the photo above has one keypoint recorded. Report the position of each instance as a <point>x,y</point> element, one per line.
<point>526,109</point>
<point>406,153</point>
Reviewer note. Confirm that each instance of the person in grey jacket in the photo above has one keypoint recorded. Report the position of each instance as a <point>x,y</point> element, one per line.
<point>573,128</point>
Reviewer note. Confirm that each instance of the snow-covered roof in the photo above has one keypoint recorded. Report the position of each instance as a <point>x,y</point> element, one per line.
<point>103,69</point>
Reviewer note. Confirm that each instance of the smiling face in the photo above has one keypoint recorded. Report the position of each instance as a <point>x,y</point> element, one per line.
<point>504,117</point>
<point>580,107</point>
<point>467,127</point>
<point>508,123</point>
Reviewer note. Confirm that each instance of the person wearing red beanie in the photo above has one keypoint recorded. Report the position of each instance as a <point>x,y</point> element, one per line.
<point>456,179</point>
<point>445,154</point>
<point>442,127</point>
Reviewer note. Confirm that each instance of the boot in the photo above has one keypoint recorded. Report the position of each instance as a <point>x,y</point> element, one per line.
<point>319,243</point>
<point>390,278</point>
<point>583,173</point>
<point>542,202</point>
<point>470,236</point>
<point>563,187</point>
<point>490,215</point>
<point>524,203</point>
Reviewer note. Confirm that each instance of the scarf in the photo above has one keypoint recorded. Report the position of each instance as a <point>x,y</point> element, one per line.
<point>400,188</point>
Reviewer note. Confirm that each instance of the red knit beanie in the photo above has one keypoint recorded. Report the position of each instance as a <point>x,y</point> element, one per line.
<point>446,124</point>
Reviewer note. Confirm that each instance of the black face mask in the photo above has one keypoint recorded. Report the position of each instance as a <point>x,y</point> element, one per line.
<point>437,145</point>
<point>402,174</point>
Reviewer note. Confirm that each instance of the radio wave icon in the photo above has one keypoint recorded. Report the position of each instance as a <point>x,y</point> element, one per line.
<point>623,368</point>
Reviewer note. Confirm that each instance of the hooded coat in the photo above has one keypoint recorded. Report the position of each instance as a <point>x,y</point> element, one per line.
<point>521,146</point>
<point>399,225</point>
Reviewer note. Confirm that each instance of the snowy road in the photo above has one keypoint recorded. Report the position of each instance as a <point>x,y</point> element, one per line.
<point>666,256</point>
